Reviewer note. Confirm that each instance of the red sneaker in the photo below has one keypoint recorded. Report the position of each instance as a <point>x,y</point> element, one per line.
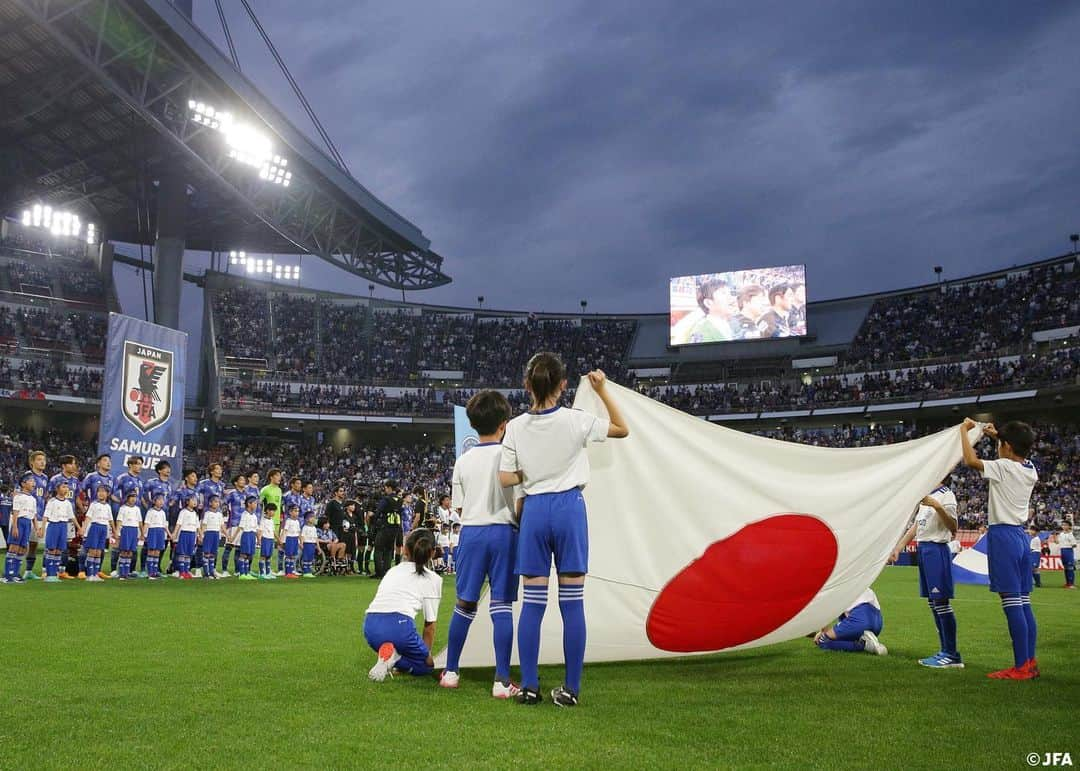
<point>1012,673</point>
<point>291,575</point>
<point>1032,666</point>
<point>186,577</point>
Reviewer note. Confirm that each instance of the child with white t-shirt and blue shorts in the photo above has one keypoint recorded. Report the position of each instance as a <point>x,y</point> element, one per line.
<point>407,589</point>
<point>1012,479</point>
<point>544,452</point>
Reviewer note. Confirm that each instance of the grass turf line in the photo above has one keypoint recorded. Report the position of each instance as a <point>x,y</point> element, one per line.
<point>171,674</point>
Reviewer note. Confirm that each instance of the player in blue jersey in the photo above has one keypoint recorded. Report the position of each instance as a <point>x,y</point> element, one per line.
<point>234,508</point>
<point>544,452</point>
<point>37,461</point>
<point>211,485</point>
<point>159,485</point>
<point>290,499</point>
<point>126,483</point>
<point>857,628</point>
<point>5,507</point>
<point>99,477</point>
<point>1011,478</point>
<point>307,502</point>
<point>253,489</point>
<point>69,475</point>
<point>488,542</point>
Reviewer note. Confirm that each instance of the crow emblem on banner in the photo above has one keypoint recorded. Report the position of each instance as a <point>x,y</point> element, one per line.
<point>147,391</point>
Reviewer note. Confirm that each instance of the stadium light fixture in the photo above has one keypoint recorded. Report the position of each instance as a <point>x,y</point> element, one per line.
<point>59,222</point>
<point>246,143</point>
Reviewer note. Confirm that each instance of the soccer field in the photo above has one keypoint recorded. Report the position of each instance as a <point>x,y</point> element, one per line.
<point>229,674</point>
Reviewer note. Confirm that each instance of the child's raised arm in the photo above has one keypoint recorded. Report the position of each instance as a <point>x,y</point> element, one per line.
<point>971,460</point>
<point>618,428</point>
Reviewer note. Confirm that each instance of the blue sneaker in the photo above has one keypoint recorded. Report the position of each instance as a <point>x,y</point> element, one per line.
<point>943,661</point>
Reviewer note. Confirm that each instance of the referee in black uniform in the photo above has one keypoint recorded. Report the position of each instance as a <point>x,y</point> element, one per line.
<point>388,533</point>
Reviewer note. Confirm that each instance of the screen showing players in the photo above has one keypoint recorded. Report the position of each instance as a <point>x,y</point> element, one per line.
<point>752,304</point>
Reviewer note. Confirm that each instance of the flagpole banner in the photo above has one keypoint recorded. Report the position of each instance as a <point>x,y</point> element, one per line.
<point>970,566</point>
<point>465,436</point>
<point>142,404</point>
<point>703,538</point>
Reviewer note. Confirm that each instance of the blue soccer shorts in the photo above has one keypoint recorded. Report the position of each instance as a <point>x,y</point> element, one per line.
<point>862,618</point>
<point>935,571</point>
<point>553,525</point>
<point>247,543</point>
<point>185,544</point>
<point>155,539</point>
<point>292,546</point>
<point>97,536</point>
<point>129,538</point>
<point>56,536</point>
<point>487,551</point>
<point>398,629</point>
<point>1007,550</point>
<point>267,548</point>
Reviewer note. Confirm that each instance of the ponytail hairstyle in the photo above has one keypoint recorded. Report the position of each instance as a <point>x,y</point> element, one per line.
<point>421,545</point>
<point>544,375</point>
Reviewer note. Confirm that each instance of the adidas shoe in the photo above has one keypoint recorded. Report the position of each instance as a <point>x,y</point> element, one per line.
<point>96,580</point>
<point>871,644</point>
<point>943,661</point>
<point>224,574</point>
<point>197,572</point>
<point>563,697</point>
<point>508,691</point>
<point>529,697</point>
<point>15,580</point>
<point>385,664</point>
<point>449,679</point>
<point>114,574</point>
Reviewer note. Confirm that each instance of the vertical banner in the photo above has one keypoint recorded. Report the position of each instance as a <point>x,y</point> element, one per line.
<point>142,404</point>
<point>465,436</point>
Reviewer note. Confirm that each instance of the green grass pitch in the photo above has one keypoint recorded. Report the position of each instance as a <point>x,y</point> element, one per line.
<point>256,675</point>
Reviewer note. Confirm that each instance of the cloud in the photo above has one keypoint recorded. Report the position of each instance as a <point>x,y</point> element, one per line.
<point>563,150</point>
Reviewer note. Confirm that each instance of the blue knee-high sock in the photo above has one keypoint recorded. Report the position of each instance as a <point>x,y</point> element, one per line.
<point>51,564</point>
<point>1018,631</point>
<point>225,556</point>
<point>31,561</point>
<point>532,613</point>
<point>1037,578</point>
<point>947,619</point>
<point>1032,627</point>
<point>572,607</point>
<point>1070,575</point>
<point>455,640</point>
<point>280,561</point>
<point>937,624</point>
<point>290,565</point>
<point>849,646</point>
<point>152,565</point>
<point>211,565</point>
<point>502,622</point>
<point>114,560</point>
<point>81,560</point>
<point>10,563</point>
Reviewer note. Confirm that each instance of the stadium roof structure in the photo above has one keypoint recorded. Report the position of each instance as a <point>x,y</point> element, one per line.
<point>98,99</point>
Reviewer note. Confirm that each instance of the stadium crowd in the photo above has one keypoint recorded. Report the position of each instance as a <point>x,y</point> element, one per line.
<point>930,324</point>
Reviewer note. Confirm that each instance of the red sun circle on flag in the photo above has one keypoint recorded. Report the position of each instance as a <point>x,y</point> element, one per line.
<point>744,586</point>
<point>134,395</point>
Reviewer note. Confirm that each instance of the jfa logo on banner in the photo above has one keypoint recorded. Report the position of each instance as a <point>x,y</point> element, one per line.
<point>148,385</point>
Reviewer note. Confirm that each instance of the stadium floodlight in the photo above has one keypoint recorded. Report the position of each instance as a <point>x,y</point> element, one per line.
<point>58,222</point>
<point>246,143</point>
<point>249,265</point>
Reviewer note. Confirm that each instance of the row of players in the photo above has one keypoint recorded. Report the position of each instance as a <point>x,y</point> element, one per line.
<point>120,499</point>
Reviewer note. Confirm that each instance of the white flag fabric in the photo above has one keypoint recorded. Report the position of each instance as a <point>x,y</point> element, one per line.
<point>703,538</point>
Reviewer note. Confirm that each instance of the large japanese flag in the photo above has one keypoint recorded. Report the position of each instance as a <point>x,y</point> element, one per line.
<point>703,538</point>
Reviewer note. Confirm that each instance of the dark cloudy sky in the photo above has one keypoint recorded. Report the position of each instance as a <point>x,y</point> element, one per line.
<point>559,150</point>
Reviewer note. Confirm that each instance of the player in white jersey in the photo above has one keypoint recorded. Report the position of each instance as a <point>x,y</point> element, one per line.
<point>95,533</point>
<point>405,590</point>
<point>184,536</point>
<point>487,542</point>
<point>128,533</point>
<point>23,521</point>
<point>267,536</point>
<point>157,526</point>
<point>1066,541</point>
<point>59,513</point>
<point>934,526</point>
<point>857,628</point>
<point>544,452</point>
<point>289,539</point>
<point>249,525</point>
<point>211,532</point>
<point>1011,477</point>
